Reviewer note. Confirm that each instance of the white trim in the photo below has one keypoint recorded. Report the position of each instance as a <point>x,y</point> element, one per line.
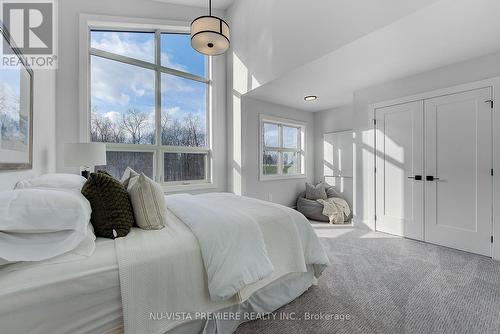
<point>301,140</point>
<point>144,64</point>
<point>188,187</point>
<point>88,22</point>
<point>494,83</point>
<point>437,93</point>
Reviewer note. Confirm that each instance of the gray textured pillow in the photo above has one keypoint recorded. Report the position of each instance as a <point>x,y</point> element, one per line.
<point>148,202</point>
<point>314,192</point>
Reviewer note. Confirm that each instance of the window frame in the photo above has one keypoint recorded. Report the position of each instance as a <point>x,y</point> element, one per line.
<point>301,150</point>
<point>89,23</point>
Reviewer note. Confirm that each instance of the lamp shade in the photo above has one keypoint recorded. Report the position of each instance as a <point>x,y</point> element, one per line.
<point>84,154</point>
<point>210,35</point>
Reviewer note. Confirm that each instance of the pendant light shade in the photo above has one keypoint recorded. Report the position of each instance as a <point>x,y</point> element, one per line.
<point>210,34</point>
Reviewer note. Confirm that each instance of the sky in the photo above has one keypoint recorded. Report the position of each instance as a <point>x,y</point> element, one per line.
<point>271,134</point>
<point>116,87</point>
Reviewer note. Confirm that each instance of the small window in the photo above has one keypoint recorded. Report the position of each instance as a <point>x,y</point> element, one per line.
<point>282,148</point>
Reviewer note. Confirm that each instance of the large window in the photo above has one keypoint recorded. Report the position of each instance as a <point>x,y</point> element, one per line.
<point>282,148</point>
<point>149,103</point>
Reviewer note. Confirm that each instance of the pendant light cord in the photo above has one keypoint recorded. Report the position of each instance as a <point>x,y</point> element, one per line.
<point>210,7</point>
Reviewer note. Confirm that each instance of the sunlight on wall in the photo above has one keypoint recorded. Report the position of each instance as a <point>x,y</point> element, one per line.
<point>327,158</point>
<point>354,180</point>
<point>240,86</point>
<point>367,161</point>
<point>240,76</point>
<point>255,83</point>
<point>339,154</point>
<point>236,168</point>
<point>331,180</point>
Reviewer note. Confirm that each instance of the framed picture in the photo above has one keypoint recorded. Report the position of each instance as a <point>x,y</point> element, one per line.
<point>16,108</point>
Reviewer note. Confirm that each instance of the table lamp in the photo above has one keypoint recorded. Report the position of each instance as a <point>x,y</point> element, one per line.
<point>84,155</point>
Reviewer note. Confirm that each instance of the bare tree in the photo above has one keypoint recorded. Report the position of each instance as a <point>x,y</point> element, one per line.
<point>165,123</point>
<point>134,122</point>
<point>192,125</point>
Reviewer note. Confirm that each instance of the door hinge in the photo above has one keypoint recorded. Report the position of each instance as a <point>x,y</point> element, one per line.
<point>374,121</point>
<point>375,169</point>
<point>375,217</point>
<point>491,102</point>
<point>492,173</point>
<point>491,239</point>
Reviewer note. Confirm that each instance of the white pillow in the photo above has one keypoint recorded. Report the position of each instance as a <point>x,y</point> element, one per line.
<point>39,224</point>
<point>148,202</point>
<point>71,182</point>
<point>127,175</point>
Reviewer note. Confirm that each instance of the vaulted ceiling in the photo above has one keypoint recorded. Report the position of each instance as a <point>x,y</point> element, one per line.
<point>219,4</point>
<point>273,37</point>
<point>332,50</point>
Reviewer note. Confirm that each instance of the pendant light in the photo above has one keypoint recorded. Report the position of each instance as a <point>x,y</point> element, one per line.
<point>210,34</point>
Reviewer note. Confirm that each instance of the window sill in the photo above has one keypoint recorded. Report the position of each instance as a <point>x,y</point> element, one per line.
<point>264,178</point>
<point>168,189</point>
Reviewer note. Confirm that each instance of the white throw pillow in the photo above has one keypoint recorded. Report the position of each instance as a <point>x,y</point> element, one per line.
<point>127,175</point>
<point>39,224</point>
<point>148,202</point>
<point>71,182</point>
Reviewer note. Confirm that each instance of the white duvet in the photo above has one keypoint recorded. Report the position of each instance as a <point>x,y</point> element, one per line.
<point>219,249</point>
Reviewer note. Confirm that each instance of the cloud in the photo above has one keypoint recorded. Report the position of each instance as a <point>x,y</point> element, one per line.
<point>166,61</point>
<point>119,84</point>
<point>113,116</point>
<point>124,44</point>
<point>129,44</point>
<point>116,86</point>
<point>173,111</point>
<point>171,83</point>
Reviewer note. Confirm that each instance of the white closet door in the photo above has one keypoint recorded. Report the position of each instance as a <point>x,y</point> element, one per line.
<point>399,163</point>
<point>459,154</point>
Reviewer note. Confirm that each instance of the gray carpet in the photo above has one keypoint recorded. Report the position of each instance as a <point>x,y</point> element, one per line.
<point>393,285</point>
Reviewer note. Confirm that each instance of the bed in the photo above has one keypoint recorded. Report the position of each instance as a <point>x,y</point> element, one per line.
<point>106,294</point>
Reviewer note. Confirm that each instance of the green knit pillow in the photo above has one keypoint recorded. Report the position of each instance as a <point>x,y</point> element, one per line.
<point>111,207</point>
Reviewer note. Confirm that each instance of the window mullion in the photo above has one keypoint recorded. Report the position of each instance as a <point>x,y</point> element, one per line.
<point>280,154</point>
<point>159,160</point>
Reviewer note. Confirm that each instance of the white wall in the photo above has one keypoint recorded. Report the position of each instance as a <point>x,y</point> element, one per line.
<point>456,74</point>
<point>44,136</point>
<point>270,38</point>
<point>68,74</point>
<point>278,191</point>
<point>327,121</point>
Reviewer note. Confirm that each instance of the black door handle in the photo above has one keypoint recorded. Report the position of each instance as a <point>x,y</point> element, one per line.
<point>431,178</point>
<point>416,177</point>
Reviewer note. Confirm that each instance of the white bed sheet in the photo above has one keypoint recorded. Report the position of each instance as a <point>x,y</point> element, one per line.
<point>62,295</point>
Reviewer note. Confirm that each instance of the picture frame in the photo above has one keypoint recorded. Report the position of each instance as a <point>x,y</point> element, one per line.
<point>16,110</point>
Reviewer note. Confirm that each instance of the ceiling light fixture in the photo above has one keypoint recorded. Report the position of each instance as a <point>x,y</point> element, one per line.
<point>310,98</point>
<point>210,34</point>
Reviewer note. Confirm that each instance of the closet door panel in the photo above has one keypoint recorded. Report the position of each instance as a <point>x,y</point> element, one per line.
<point>399,158</point>
<point>337,162</point>
<point>458,156</point>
